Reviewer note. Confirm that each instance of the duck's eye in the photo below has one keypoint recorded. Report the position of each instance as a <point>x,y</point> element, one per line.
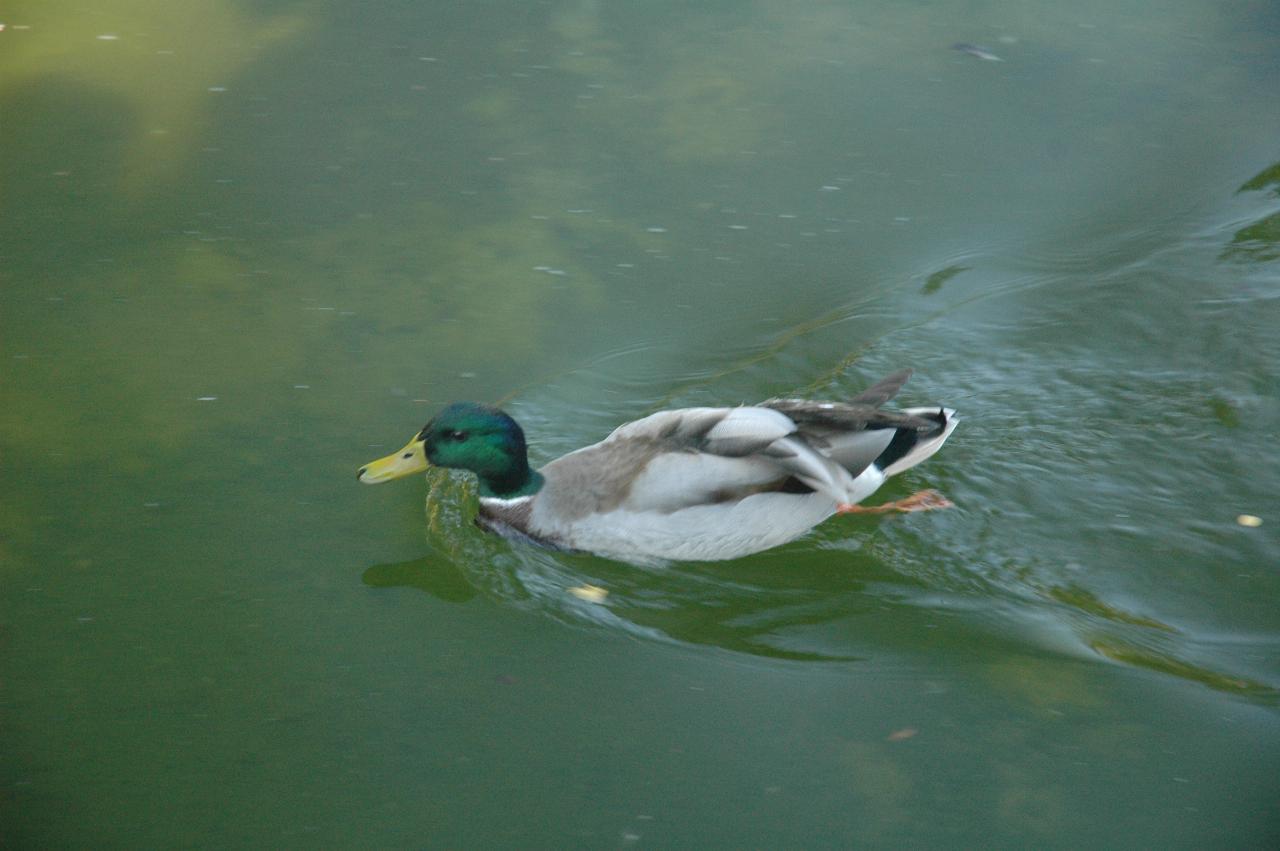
<point>459,436</point>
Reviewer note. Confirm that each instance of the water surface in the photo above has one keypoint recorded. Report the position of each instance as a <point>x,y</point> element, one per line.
<point>249,246</point>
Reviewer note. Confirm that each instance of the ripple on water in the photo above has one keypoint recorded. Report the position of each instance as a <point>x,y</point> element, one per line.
<point>1089,478</point>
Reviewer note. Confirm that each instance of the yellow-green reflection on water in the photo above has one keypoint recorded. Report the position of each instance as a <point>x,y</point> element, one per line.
<point>160,63</point>
<point>1259,240</point>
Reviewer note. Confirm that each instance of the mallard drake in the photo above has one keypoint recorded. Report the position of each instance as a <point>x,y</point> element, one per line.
<point>688,484</point>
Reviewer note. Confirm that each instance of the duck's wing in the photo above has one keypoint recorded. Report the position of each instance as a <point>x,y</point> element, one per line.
<point>883,390</point>
<point>692,456</point>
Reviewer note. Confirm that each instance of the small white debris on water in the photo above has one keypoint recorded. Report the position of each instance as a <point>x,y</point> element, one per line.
<point>108,37</point>
<point>1250,521</point>
<point>302,387</point>
<point>590,593</point>
<point>217,88</point>
<point>737,227</point>
<point>206,398</point>
<point>977,51</point>
<point>829,188</point>
<point>656,230</point>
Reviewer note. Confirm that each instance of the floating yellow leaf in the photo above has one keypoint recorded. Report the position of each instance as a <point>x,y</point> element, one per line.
<point>590,593</point>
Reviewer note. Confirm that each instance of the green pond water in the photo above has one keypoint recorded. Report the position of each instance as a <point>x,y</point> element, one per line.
<point>248,246</point>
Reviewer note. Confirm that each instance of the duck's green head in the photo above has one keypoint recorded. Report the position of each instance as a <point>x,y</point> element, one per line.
<point>465,436</point>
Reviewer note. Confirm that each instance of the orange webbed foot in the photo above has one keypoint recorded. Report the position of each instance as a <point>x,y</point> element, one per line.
<point>926,500</point>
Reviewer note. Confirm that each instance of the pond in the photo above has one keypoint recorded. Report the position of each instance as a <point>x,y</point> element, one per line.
<point>250,246</point>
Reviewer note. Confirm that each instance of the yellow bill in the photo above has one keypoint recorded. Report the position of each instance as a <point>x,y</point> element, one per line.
<point>412,459</point>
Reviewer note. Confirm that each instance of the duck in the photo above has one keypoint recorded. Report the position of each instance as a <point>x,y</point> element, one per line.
<point>688,484</point>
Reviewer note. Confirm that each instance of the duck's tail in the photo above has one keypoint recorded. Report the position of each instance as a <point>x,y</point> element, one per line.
<point>910,446</point>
